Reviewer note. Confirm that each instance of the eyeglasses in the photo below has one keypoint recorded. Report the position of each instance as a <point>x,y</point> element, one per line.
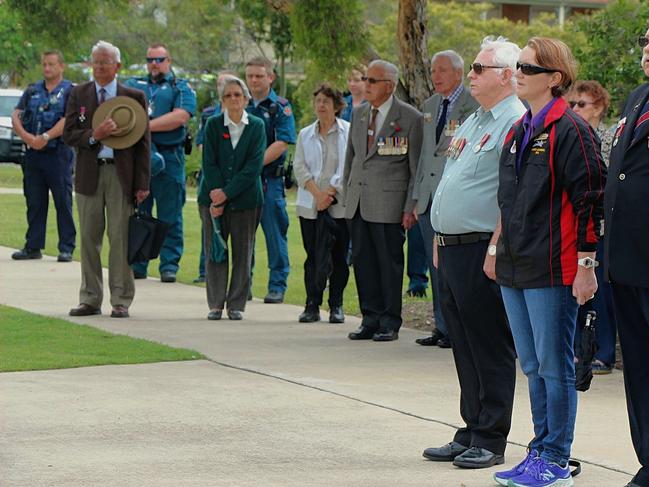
<point>533,69</point>
<point>373,81</point>
<point>158,60</point>
<point>478,68</point>
<point>103,63</point>
<point>233,95</point>
<point>580,103</point>
<point>643,41</point>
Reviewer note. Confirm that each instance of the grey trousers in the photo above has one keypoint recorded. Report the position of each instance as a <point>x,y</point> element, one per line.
<point>239,227</point>
<point>109,205</point>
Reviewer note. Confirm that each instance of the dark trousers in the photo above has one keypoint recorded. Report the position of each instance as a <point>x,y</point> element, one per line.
<point>377,253</point>
<point>428,234</point>
<point>46,171</point>
<point>416,263</point>
<point>632,313</point>
<point>339,274</point>
<point>483,347</point>
<point>239,228</point>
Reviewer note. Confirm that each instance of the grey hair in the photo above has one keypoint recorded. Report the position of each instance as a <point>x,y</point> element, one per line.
<point>456,60</point>
<point>505,53</point>
<point>107,46</point>
<point>233,80</point>
<point>390,70</point>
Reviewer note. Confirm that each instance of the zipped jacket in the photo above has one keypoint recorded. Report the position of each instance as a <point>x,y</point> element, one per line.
<point>551,208</point>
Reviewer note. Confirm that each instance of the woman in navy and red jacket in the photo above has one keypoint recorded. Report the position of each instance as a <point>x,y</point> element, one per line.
<point>550,196</point>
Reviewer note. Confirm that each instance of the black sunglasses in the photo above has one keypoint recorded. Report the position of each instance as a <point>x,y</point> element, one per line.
<point>533,69</point>
<point>580,103</point>
<point>643,41</point>
<point>478,68</point>
<point>373,81</point>
<point>156,59</point>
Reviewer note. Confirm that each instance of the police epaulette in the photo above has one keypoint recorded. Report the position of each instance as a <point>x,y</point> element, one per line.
<point>282,101</point>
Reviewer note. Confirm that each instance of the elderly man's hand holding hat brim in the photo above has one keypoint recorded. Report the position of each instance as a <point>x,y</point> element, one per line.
<point>122,119</point>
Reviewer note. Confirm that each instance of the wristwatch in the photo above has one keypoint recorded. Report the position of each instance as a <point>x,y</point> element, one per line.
<point>46,136</point>
<point>491,250</point>
<point>587,263</point>
<point>91,140</point>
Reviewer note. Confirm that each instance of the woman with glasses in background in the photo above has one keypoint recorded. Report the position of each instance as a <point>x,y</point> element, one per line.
<point>551,182</point>
<point>230,190</point>
<point>590,100</point>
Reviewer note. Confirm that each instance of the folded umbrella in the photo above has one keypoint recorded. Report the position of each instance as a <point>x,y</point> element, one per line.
<point>587,349</point>
<point>219,249</point>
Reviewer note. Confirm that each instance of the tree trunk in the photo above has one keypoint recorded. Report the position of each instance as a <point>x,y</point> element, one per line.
<point>415,64</point>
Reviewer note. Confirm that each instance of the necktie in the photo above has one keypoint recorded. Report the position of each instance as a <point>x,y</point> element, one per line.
<point>642,119</point>
<point>371,129</point>
<point>102,96</point>
<point>442,120</point>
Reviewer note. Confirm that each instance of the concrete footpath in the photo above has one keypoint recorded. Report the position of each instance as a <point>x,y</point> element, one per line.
<point>277,403</point>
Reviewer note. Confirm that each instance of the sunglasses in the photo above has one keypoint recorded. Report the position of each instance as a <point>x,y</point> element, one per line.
<point>580,103</point>
<point>158,60</point>
<point>233,95</point>
<point>533,69</point>
<point>373,81</point>
<point>643,41</point>
<point>478,68</point>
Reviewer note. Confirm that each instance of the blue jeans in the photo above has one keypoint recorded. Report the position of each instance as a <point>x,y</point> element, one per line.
<point>274,223</point>
<point>543,325</point>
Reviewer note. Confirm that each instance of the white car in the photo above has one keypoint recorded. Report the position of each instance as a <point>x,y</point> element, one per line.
<point>11,147</point>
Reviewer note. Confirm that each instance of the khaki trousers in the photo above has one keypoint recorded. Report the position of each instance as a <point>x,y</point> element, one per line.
<point>109,206</point>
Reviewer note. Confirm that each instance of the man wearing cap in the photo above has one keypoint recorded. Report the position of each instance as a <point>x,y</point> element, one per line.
<point>107,180</point>
<point>172,103</point>
<point>38,121</point>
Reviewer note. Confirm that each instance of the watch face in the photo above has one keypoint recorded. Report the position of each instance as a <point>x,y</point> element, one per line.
<point>491,250</point>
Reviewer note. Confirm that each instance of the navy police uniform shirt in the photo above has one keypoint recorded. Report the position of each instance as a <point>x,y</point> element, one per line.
<point>163,96</point>
<point>205,114</point>
<point>277,114</point>
<point>41,110</point>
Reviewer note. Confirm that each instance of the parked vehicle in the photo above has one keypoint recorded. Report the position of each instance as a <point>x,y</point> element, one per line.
<point>11,147</point>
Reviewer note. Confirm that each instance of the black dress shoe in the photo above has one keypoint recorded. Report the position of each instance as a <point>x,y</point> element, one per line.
<point>416,293</point>
<point>119,311</point>
<point>386,336</point>
<point>167,276</point>
<point>215,314</point>
<point>84,310</point>
<point>310,314</point>
<point>199,280</point>
<point>444,342</point>
<point>139,275</point>
<point>274,297</point>
<point>27,254</point>
<point>446,453</point>
<point>476,457</point>
<point>64,257</point>
<point>336,315</point>
<point>363,333</point>
<point>235,314</point>
<point>431,340</point>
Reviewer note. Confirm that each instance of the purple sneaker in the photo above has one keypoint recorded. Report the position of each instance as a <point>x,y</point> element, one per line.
<point>540,473</point>
<point>503,477</point>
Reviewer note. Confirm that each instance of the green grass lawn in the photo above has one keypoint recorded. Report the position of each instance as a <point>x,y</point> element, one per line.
<point>14,225</point>
<point>33,342</point>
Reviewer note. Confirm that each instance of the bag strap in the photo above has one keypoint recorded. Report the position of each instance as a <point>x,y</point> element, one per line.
<point>577,470</point>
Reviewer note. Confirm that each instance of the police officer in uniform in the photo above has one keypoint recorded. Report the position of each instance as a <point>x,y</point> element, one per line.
<point>38,120</point>
<point>172,103</point>
<point>277,115</point>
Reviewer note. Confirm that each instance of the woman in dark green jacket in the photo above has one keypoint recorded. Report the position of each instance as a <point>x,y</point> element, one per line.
<point>230,198</point>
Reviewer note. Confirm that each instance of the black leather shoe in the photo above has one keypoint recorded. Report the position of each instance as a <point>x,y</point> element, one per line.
<point>416,293</point>
<point>310,314</point>
<point>199,280</point>
<point>84,310</point>
<point>444,342</point>
<point>274,297</point>
<point>64,257</point>
<point>476,457</point>
<point>119,311</point>
<point>167,276</point>
<point>215,314</point>
<point>336,315</point>
<point>363,333</point>
<point>386,336</point>
<point>446,453</point>
<point>235,314</point>
<point>27,254</point>
<point>431,340</point>
<point>139,275</point>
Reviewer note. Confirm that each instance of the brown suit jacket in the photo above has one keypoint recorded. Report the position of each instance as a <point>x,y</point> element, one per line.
<point>133,164</point>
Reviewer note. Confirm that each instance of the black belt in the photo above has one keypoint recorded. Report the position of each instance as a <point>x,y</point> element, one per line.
<point>461,239</point>
<point>104,160</point>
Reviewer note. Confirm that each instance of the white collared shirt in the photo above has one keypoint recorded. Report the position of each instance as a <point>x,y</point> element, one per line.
<point>111,92</point>
<point>236,129</point>
<point>383,113</point>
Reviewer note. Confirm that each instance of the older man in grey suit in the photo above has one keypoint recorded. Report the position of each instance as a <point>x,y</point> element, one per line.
<point>446,110</point>
<point>380,165</point>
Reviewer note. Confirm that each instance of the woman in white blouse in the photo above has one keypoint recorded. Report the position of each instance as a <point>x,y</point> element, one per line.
<point>318,165</point>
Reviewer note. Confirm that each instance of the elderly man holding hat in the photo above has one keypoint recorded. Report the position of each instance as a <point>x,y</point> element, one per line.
<point>107,124</point>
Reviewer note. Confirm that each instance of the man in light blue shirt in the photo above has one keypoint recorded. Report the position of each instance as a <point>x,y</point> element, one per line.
<point>464,213</point>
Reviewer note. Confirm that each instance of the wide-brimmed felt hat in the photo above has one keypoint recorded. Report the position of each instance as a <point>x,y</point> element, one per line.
<point>130,117</point>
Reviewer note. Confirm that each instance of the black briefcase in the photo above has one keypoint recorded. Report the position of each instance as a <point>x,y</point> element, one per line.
<point>145,237</point>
